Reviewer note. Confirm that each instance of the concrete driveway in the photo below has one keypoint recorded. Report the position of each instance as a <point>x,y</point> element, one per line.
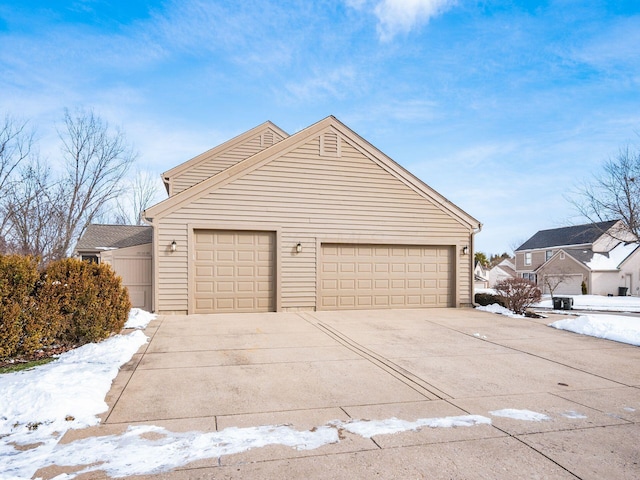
<point>210,372</point>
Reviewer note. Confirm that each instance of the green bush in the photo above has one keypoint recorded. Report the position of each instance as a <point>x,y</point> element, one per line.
<point>89,299</point>
<point>485,299</point>
<point>18,277</point>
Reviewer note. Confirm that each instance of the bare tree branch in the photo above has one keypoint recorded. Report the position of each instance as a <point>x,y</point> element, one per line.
<point>142,192</point>
<point>614,194</point>
<point>96,159</point>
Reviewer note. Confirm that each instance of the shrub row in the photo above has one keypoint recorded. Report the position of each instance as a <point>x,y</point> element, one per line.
<point>67,303</point>
<point>485,299</point>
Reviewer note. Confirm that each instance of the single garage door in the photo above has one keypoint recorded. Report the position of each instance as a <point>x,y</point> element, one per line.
<point>385,276</point>
<point>234,271</point>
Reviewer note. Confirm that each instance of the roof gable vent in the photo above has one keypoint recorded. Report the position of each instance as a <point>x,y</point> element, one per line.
<point>266,139</point>
<point>330,144</point>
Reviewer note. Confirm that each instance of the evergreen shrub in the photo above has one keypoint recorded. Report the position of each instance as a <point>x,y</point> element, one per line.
<point>89,299</point>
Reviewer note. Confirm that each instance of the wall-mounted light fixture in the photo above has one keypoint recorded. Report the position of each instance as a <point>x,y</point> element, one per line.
<point>174,246</point>
<point>298,247</point>
<point>465,250</point>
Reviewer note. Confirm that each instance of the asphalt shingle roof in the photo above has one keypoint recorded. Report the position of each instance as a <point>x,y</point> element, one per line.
<point>98,236</point>
<point>574,235</point>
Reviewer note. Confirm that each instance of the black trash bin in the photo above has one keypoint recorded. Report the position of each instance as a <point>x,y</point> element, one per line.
<point>562,303</point>
<point>622,291</point>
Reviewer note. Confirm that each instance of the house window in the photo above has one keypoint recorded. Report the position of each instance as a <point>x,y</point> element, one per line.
<point>527,258</point>
<point>547,255</point>
<point>90,258</point>
<point>529,276</point>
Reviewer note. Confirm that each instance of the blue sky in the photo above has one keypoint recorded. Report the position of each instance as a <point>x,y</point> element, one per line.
<point>502,106</point>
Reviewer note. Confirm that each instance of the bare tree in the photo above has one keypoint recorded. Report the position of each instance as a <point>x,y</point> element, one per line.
<point>614,194</point>
<point>553,281</point>
<point>33,213</point>
<point>15,146</point>
<point>142,192</point>
<point>44,211</point>
<point>96,159</point>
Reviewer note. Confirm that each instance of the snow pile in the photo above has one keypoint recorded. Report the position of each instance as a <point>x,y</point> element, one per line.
<point>139,319</point>
<point>526,415</point>
<point>610,327</point>
<point>496,308</point>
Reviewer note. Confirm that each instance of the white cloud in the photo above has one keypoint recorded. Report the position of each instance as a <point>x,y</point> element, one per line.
<point>401,16</point>
<point>337,83</point>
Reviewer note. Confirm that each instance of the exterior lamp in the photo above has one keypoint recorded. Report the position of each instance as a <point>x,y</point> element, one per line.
<point>174,246</point>
<point>465,250</point>
<point>298,247</point>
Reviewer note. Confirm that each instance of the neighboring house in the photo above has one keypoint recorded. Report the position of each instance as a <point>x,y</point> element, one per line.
<point>319,220</point>
<point>502,271</point>
<point>562,259</point>
<point>480,276</point>
<point>128,249</point>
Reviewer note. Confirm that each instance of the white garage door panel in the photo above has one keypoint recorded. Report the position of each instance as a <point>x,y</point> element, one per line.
<point>566,284</point>
<point>366,276</point>
<point>234,271</point>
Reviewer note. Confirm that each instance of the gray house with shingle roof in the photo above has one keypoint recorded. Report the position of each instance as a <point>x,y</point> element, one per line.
<point>563,260</point>
<point>128,249</point>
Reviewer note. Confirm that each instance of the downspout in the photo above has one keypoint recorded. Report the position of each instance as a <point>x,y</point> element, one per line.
<point>471,263</point>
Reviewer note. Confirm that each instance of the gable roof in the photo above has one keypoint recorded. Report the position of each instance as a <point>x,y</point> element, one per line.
<point>566,236</point>
<point>105,237</point>
<point>220,149</point>
<point>265,156</point>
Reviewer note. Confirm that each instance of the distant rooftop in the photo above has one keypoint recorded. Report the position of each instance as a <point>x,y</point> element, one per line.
<point>566,236</point>
<point>99,237</point>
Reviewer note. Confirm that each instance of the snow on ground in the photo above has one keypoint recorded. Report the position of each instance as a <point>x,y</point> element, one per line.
<point>597,302</point>
<point>611,327</point>
<point>139,319</point>
<point>619,328</point>
<point>495,308</point>
<point>37,406</point>
<point>526,415</point>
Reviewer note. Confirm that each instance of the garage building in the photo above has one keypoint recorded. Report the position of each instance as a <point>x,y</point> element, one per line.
<point>318,220</point>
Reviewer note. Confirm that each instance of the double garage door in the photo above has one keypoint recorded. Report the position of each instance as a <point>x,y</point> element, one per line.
<point>234,271</point>
<point>384,276</point>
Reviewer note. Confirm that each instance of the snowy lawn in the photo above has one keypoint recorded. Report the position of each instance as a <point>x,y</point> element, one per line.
<point>597,302</point>
<point>619,328</point>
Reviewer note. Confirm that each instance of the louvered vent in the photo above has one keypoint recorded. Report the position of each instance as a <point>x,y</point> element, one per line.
<point>330,145</point>
<point>266,138</point>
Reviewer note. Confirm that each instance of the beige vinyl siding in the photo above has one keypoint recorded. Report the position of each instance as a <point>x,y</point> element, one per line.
<point>312,199</point>
<point>134,266</point>
<point>208,167</point>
